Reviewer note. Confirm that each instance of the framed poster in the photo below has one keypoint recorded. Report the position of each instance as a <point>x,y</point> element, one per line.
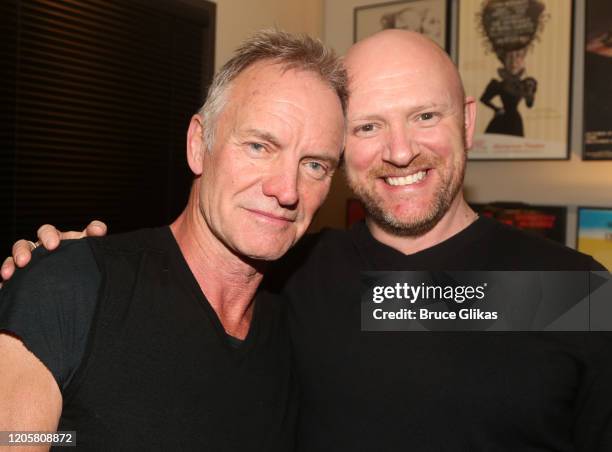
<point>515,59</point>
<point>545,221</point>
<point>429,17</point>
<point>597,76</point>
<point>595,234</point>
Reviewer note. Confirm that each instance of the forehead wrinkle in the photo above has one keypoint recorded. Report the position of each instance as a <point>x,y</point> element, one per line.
<point>263,135</point>
<point>409,89</point>
<point>285,110</point>
<point>406,94</point>
<point>291,118</point>
<point>275,117</point>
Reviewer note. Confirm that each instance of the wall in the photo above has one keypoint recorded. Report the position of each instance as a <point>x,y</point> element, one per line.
<point>570,183</point>
<point>237,19</point>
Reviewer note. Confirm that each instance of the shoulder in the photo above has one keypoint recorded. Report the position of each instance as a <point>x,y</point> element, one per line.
<point>55,281</point>
<point>528,251</point>
<point>72,261</point>
<point>149,239</point>
<point>49,305</point>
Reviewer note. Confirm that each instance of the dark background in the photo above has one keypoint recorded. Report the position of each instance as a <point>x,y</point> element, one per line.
<point>95,100</point>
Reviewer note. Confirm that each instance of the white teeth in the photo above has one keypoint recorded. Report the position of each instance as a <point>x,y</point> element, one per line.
<point>406,180</point>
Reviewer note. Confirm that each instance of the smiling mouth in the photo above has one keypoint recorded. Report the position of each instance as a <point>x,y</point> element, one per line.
<point>406,180</point>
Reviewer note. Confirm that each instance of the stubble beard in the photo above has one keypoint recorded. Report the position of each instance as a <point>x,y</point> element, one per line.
<point>415,226</point>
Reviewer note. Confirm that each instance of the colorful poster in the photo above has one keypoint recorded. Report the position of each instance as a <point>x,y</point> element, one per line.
<point>545,221</point>
<point>597,81</point>
<point>595,234</point>
<point>515,59</point>
<point>428,17</point>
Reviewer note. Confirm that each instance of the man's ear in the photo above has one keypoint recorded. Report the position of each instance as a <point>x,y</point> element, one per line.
<point>195,144</point>
<point>469,114</point>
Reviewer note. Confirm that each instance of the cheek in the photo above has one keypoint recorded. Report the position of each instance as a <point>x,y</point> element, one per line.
<point>312,196</point>
<point>443,141</point>
<point>240,177</point>
<point>435,139</point>
<point>361,154</point>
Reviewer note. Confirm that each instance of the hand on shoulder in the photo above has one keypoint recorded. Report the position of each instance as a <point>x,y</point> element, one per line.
<point>49,237</point>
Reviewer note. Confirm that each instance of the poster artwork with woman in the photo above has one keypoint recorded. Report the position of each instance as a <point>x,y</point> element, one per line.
<point>514,55</point>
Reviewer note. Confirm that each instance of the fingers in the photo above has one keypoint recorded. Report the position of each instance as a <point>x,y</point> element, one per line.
<point>22,253</point>
<point>95,228</point>
<point>7,269</point>
<point>48,236</point>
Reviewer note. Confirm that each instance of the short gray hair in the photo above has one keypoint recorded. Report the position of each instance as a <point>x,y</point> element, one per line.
<point>291,51</point>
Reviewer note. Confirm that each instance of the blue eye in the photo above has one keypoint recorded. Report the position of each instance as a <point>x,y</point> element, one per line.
<point>257,147</point>
<point>316,169</point>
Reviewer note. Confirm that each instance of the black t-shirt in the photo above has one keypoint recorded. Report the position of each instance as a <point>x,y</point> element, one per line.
<point>142,360</point>
<point>50,306</point>
<point>440,391</point>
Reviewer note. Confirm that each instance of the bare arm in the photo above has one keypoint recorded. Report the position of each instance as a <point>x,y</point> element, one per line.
<point>30,399</point>
<point>48,237</point>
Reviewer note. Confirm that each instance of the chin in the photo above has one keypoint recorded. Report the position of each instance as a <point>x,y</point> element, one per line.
<point>265,251</point>
<point>409,210</point>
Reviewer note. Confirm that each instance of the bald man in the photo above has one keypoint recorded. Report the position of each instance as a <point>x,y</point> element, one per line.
<point>409,128</point>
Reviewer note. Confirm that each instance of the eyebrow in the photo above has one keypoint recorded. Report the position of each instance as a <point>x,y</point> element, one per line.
<point>366,118</point>
<point>411,110</point>
<point>333,161</point>
<point>264,135</point>
<point>430,106</point>
<point>267,136</point>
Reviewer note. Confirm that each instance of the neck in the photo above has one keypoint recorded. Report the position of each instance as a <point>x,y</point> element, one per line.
<point>458,217</point>
<point>228,281</point>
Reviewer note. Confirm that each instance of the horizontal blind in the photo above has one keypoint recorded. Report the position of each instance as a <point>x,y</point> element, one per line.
<point>8,78</point>
<point>104,92</point>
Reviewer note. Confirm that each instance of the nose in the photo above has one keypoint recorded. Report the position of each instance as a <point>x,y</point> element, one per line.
<point>400,149</point>
<point>282,184</point>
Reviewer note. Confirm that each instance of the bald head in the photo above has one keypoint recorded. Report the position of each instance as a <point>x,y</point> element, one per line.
<point>393,52</point>
<point>408,128</point>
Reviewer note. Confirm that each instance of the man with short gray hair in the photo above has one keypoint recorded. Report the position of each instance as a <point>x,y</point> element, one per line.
<point>160,338</point>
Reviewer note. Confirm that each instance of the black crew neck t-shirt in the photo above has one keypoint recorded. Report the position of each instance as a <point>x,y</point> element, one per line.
<point>439,391</point>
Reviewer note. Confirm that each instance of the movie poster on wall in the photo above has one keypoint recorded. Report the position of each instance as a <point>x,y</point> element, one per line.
<point>598,81</point>
<point>545,221</point>
<point>595,234</point>
<point>428,17</point>
<point>515,59</point>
